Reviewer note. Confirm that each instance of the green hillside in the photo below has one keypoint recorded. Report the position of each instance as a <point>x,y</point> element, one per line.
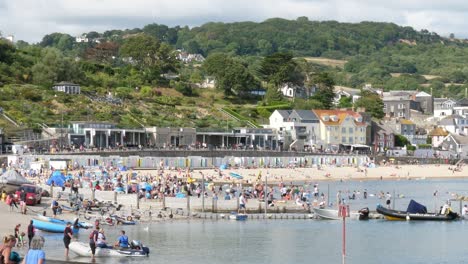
<point>124,73</point>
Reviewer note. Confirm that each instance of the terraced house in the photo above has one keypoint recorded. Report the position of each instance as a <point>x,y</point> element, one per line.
<point>341,127</point>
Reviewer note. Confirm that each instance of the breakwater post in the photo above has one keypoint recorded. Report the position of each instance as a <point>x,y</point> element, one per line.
<point>115,197</point>
<point>188,204</point>
<point>138,200</point>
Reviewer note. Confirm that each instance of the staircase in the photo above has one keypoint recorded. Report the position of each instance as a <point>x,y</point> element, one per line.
<point>248,122</point>
<point>9,119</point>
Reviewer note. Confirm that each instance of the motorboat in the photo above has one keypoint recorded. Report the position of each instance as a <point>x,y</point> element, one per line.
<point>416,212</point>
<point>333,214</point>
<point>136,249</point>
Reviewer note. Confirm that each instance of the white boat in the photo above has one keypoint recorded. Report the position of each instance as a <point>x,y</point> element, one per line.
<point>238,217</point>
<point>332,214</point>
<point>83,250</point>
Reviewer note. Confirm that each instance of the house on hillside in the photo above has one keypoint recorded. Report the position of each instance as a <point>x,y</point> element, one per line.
<point>341,127</point>
<point>397,106</point>
<point>341,91</point>
<point>437,135</point>
<point>67,87</point>
<point>297,129</point>
<point>425,102</point>
<point>209,82</point>
<point>456,144</point>
<point>443,107</point>
<point>296,91</point>
<point>455,124</point>
<point>382,137</point>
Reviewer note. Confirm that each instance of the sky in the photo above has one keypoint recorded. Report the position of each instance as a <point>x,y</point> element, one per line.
<point>31,20</point>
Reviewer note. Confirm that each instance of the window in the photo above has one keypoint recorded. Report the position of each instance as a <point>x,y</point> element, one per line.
<point>343,130</point>
<point>351,130</point>
<point>401,106</point>
<point>328,128</point>
<point>336,129</point>
<point>384,106</point>
<point>362,139</point>
<point>362,129</point>
<point>351,140</point>
<point>401,114</point>
<point>343,139</point>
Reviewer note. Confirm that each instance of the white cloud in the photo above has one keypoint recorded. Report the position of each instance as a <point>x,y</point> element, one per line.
<point>32,19</point>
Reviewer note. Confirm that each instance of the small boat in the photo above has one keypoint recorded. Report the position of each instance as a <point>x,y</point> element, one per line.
<point>123,221</point>
<point>52,227</point>
<point>415,212</point>
<point>83,250</point>
<point>238,217</point>
<point>332,214</point>
<point>11,180</point>
<point>81,224</point>
<point>236,175</point>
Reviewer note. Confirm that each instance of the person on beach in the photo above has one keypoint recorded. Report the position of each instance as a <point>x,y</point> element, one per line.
<point>242,202</point>
<point>17,231</point>
<point>93,236</point>
<point>8,256</point>
<point>101,239</point>
<point>388,199</point>
<point>339,199</point>
<point>465,211</point>
<point>122,241</point>
<point>30,232</point>
<point>55,208</point>
<point>35,253</point>
<point>67,236</point>
<point>10,200</point>
<point>23,201</point>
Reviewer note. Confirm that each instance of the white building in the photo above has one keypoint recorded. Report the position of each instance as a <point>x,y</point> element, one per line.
<point>66,87</point>
<point>296,128</point>
<point>443,107</point>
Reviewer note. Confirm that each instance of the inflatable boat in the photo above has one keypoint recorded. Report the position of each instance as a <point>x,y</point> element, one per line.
<point>83,250</point>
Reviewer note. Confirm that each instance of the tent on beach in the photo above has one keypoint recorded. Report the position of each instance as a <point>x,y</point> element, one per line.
<point>58,178</point>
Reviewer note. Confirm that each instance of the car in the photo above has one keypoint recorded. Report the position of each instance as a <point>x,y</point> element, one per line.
<point>33,193</point>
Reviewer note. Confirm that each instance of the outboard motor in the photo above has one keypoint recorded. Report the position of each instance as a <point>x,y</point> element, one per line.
<point>364,213</point>
<point>135,244</point>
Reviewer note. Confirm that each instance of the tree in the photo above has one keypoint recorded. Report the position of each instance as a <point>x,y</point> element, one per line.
<point>280,68</point>
<point>345,102</point>
<point>54,67</point>
<point>325,90</point>
<point>273,95</point>
<point>232,76</point>
<point>401,141</point>
<point>372,103</point>
<point>103,52</point>
<point>148,55</point>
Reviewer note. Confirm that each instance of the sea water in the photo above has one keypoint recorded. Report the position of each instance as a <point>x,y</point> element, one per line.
<point>305,241</point>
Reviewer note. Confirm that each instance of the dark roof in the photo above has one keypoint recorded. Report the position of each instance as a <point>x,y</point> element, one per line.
<point>462,140</point>
<point>66,83</point>
<point>463,102</point>
<point>306,114</point>
<point>284,113</point>
<point>448,121</point>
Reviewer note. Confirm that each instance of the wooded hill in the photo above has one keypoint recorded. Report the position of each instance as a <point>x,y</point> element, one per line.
<point>117,62</point>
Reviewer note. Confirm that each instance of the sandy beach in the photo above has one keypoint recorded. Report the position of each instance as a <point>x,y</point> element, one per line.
<point>330,173</point>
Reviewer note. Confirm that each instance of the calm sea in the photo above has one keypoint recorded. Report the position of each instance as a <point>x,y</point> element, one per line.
<point>307,241</point>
